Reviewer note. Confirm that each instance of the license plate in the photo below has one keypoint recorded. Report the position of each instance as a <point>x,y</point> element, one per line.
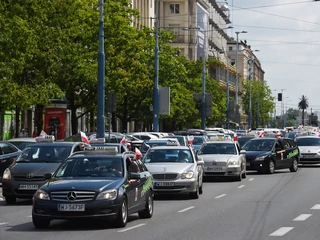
<point>164,184</point>
<point>215,169</point>
<point>247,164</point>
<point>71,207</point>
<point>307,156</point>
<point>28,187</point>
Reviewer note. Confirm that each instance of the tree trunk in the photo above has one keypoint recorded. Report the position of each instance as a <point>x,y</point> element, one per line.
<point>302,117</point>
<point>74,119</point>
<point>38,119</point>
<point>17,123</point>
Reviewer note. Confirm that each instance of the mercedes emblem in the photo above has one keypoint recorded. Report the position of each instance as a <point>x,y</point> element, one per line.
<point>72,196</point>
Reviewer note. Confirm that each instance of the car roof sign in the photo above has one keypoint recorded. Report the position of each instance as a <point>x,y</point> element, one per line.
<point>48,138</point>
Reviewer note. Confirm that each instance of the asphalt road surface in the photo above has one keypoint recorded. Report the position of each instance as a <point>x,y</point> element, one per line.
<point>282,206</point>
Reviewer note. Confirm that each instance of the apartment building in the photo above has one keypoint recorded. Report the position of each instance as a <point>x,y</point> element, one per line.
<point>147,13</point>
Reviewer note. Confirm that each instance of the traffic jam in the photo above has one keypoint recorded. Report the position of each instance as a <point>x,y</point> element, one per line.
<point>123,174</point>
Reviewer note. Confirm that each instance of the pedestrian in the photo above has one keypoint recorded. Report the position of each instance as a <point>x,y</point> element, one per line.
<point>23,133</point>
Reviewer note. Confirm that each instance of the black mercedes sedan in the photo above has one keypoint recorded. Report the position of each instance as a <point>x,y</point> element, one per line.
<point>95,184</point>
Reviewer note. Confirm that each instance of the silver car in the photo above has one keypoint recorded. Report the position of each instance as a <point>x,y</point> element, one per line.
<point>175,169</point>
<point>309,147</point>
<point>223,158</point>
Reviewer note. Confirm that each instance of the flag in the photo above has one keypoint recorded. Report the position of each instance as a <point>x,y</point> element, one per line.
<point>43,134</point>
<point>235,137</point>
<point>137,153</point>
<point>84,138</point>
<point>249,130</point>
<point>190,139</point>
<point>123,140</point>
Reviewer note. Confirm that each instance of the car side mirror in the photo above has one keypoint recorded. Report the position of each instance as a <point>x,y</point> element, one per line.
<point>133,175</point>
<point>200,162</point>
<point>47,176</point>
<point>243,152</point>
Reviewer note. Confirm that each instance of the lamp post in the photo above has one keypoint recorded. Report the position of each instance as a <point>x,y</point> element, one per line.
<point>156,74</point>
<point>285,123</point>
<point>251,77</point>
<point>282,108</point>
<point>101,75</point>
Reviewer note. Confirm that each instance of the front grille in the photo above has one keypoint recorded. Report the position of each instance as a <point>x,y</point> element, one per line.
<point>25,192</point>
<point>25,179</point>
<point>171,187</point>
<point>80,196</point>
<point>215,164</point>
<point>308,154</point>
<point>167,176</point>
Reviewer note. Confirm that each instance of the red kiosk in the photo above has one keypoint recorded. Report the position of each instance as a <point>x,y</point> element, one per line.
<point>55,119</point>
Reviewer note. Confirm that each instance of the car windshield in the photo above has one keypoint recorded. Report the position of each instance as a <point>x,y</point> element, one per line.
<point>218,148</point>
<point>308,141</point>
<point>44,154</point>
<point>168,156</point>
<point>259,145</point>
<point>146,145</point>
<point>91,167</point>
<point>243,140</point>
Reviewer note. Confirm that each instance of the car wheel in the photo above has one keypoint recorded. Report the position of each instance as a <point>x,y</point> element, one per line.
<point>195,194</point>
<point>40,222</point>
<point>270,167</point>
<point>11,200</point>
<point>239,177</point>
<point>122,217</point>
<point>148,211</point>
<point>294,166</point>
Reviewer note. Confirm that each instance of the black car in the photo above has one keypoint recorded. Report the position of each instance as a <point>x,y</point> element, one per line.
<point>26,174</point>
<point>8,152</point>
<point>243,139</point>
<point>97,183</point>
<point>268,154</point>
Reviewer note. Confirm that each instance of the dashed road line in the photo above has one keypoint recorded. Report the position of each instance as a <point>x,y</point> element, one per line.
<point>316,207</point>
<point>251,179</point>
<point>241,186</point>
<point>186,209</point>
<point>302,217</point>
<point>3,223</point>
<point>133,227</point>
<point>281,231</point>
<point>220,196</point>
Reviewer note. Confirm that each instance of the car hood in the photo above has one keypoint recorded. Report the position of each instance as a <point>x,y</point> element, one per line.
<point>218,157</point>
<point>76,184</point>
<point>39,168</point>
<point>309,149</point>
<point>169,167</point>
<point>254,154</point>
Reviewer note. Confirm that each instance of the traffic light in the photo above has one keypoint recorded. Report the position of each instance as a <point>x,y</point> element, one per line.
<point>279,97</point>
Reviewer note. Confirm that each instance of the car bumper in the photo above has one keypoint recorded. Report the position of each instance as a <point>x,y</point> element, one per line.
<point>229,172</point>
<point>12,188</point>
<point>177,186</point>
<point>93,209</point>
<point>309,160</point>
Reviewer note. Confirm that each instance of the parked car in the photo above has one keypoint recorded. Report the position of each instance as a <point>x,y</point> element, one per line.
<point>8,153</point>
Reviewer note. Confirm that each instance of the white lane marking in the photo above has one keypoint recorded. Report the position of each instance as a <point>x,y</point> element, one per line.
<point>281,231</point>
<point>220,196</point>
<point>186,209</point>
<point>316,207</point>
<point>133,227</point>
<point>4,223</point>
<point>302,217</point>
<point>251,179</point>
<point>241,186</point>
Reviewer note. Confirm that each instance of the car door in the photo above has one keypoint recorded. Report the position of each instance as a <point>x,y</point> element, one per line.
<point>287,157</point>
<point>280,155</point>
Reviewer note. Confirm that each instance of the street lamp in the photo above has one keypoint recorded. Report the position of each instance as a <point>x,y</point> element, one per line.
<point>101,75</point>
<point>251,63</point>
<point>156,74</point>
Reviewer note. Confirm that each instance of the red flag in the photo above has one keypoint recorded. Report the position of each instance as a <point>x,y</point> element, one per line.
<point>84,138</point>
<point>137,153</point>
<point>249,130</point>
<point>190,139</point>
<point>235,137</point>
<point>123,140</point>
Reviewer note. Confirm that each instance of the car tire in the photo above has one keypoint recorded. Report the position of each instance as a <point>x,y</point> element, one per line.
<point>40,222</point>
<point>195,194</point>
<point>294,167</point>
<point>148,211</point>
<point>11,200</point>
<point>270,167</point>
<point>239,177</point>
<point>122,216</point>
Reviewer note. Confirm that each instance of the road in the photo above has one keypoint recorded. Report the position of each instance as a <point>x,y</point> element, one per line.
<point>282,206</point>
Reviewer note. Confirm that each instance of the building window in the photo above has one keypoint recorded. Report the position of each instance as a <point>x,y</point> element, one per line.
<point>174,8</point>
<point>230,48</point>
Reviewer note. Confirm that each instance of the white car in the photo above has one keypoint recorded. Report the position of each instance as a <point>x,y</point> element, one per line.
<point>309,147</point>
<point>223,158</point>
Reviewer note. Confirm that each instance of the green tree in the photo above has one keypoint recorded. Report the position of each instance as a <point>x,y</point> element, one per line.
<point>303,105</point>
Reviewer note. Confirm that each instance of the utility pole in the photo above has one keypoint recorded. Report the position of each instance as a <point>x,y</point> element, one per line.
<point>203,96</point>
<point>101,76</point>
<point>251,63</point>
<point>228,95</point>
<point>156,73</point>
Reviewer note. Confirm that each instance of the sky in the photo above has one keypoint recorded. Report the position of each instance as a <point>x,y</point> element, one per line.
<point>287,35</point>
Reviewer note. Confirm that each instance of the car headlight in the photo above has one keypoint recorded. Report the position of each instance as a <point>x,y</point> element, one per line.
<point>40,194</point>
<point>233,162</point>
<point>187,175</point>
<point>261,158</point>
<point>108,195</point>
<point>6,174</point>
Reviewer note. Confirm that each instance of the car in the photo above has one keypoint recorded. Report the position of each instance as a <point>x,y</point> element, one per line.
<point>265,155</point>
<point>309,147</point>
<point>97,183</point>
<point>175,169</point>
<point>8,153</point>
<point>243,139</point>
<point>21,143</point>
<point>100,142</point>
<point>223,158</point>
<point>145,136</point>
<point>26,174</point>
<point>182,139</point>
<point>158,142</point>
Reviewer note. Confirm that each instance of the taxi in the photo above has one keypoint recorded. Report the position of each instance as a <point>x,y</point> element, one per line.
<point>223,157</point>
<point>26,174</point>
<point>98,183</point>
